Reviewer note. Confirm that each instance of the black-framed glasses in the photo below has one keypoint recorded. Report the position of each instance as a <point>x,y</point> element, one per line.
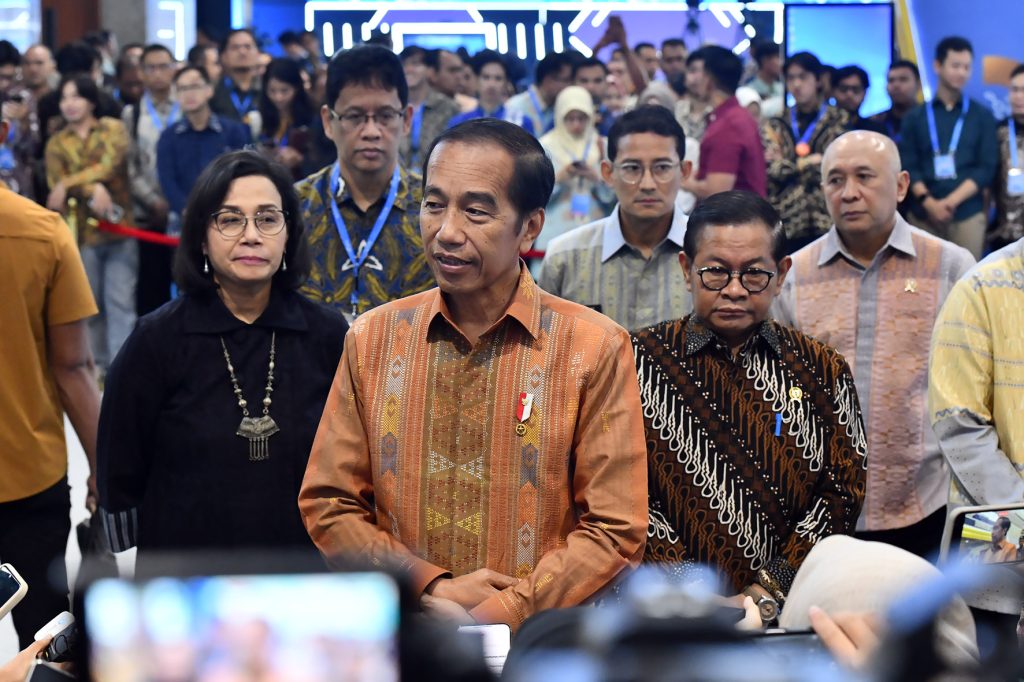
<point>230,223</point>
<point>354,120</point>
<point>717,278</point>
<point>632,173</point>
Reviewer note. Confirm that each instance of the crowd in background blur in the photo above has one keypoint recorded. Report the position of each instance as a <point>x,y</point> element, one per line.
<point>121,140</point>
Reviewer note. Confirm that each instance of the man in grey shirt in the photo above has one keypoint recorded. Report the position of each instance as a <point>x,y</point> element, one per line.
<point>627,265</point>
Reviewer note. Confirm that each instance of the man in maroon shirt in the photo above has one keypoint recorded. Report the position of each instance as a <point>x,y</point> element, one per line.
<point>731,153</point>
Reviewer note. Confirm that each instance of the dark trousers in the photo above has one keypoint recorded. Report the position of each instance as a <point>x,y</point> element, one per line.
<point>922,538</point>
<point>33,538</point>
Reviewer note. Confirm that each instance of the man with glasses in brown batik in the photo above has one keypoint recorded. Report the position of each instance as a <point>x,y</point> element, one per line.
<point>755,442</point>
<point>627,265</point>
<point>362,212</point>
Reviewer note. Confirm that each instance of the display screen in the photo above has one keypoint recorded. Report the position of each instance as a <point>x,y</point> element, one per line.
<point>992,537</point>
<point>9,586</point>
<point>825,30</point>
<point>306,627</point>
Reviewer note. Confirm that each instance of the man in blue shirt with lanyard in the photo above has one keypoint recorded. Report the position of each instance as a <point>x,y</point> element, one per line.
<point>237,93</point>
<point>553,74</point>
<point>362,212</point>
<point>949,148</point>
<point>492,79</point>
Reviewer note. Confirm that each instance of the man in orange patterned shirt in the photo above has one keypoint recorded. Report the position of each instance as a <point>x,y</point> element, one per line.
<point>485,437</point>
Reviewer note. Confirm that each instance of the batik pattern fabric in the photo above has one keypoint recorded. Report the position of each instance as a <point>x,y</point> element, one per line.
<point>794,185</point>
<point>82,163</point>
<point>1009,225</point>
<point>428,459</point>
<point>752,458</point>
<point>397,265</point>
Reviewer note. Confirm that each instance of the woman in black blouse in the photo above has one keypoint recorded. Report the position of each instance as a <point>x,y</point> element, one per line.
<point>211,406</point>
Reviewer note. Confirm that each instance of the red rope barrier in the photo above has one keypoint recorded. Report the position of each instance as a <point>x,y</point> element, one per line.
<point>135,233</point>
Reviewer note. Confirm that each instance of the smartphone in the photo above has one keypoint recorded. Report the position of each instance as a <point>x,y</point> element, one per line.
<point>13,589</point>
<point>497,640</point>
<point>990,534</point>
<point>65,636</point>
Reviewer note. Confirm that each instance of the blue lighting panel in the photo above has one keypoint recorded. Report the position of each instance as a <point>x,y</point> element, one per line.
<point>840,35</point>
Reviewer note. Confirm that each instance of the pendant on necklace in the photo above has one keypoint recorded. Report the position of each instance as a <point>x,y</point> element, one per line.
<point>258,431</point>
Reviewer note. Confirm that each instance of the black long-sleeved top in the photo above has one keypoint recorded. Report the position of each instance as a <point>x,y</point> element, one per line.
<point>172,474</point>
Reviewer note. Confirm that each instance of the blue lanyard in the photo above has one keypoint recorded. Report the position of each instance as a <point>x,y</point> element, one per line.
<point>284,141</point>
<point>806,137</point>
<point>158,121</point>
<point>957,129</point>
<point>357,259</point>
<point>417,128</point>
<point>586,150</point>
<point>1013,144</point>
<point>241,105</point>
<point>547,119</point>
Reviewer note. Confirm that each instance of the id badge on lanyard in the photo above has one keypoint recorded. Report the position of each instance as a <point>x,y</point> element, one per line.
<point>945,167</point>
<point>580,205</point>
<point>945,164</point>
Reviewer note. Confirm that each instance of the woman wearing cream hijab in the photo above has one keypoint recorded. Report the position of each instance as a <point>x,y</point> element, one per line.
<point>575,149</point>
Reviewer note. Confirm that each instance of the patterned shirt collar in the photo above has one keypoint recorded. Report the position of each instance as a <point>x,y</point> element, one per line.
<point>699,336</point>
<point>613,240</point>
<point>524,308</point>
<point>345,194</point>
<point>900,239</point>
<point>183,125</point>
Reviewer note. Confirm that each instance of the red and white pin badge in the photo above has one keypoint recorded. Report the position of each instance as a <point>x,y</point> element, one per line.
<point>523,411</point>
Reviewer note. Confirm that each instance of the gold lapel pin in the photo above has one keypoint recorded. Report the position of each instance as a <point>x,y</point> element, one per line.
<point>910,286</point>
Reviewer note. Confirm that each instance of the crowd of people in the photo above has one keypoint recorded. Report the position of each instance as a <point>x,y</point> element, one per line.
<point>741,327</point>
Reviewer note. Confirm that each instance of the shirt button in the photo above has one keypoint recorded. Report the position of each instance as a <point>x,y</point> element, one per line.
<point>328,298</point>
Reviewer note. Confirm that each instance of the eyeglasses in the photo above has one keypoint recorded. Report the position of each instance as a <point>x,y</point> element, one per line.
<point>153,68</point>
<point>717,278</point>
<point>633,173</point>
<point>191,88</point>
<point>354,120</point>
<point>232,223</point>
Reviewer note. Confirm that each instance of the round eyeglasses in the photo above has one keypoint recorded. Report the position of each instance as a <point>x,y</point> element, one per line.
<point>633,173</point>
<point>269,221</point>
<point>354,120</point>
<point>717,278</point>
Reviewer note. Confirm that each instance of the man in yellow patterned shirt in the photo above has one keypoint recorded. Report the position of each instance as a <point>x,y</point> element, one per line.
<point>976,390</point>
<point>86,169</point>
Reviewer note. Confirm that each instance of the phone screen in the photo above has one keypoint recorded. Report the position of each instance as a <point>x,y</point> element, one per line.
<point>991,537</point>
<point>9,586</point>
<point>338,626</point>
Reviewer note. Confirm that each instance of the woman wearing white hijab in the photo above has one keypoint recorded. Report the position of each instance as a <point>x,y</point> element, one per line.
<point>575,149</point>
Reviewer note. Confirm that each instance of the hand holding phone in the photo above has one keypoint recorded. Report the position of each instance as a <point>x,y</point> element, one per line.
<point>63,635</point>
<point>13,589</point>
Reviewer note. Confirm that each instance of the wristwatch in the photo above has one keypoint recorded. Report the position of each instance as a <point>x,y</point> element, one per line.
<point>768,608</point>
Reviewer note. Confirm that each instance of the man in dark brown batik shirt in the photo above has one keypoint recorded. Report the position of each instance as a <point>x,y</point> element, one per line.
<point>754,434</point>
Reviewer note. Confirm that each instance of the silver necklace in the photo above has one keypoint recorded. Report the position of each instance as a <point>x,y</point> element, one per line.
<point>256,430</point>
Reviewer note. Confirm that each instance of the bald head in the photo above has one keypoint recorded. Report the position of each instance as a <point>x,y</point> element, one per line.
<point>863,143</point>
<point>863,184</point>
